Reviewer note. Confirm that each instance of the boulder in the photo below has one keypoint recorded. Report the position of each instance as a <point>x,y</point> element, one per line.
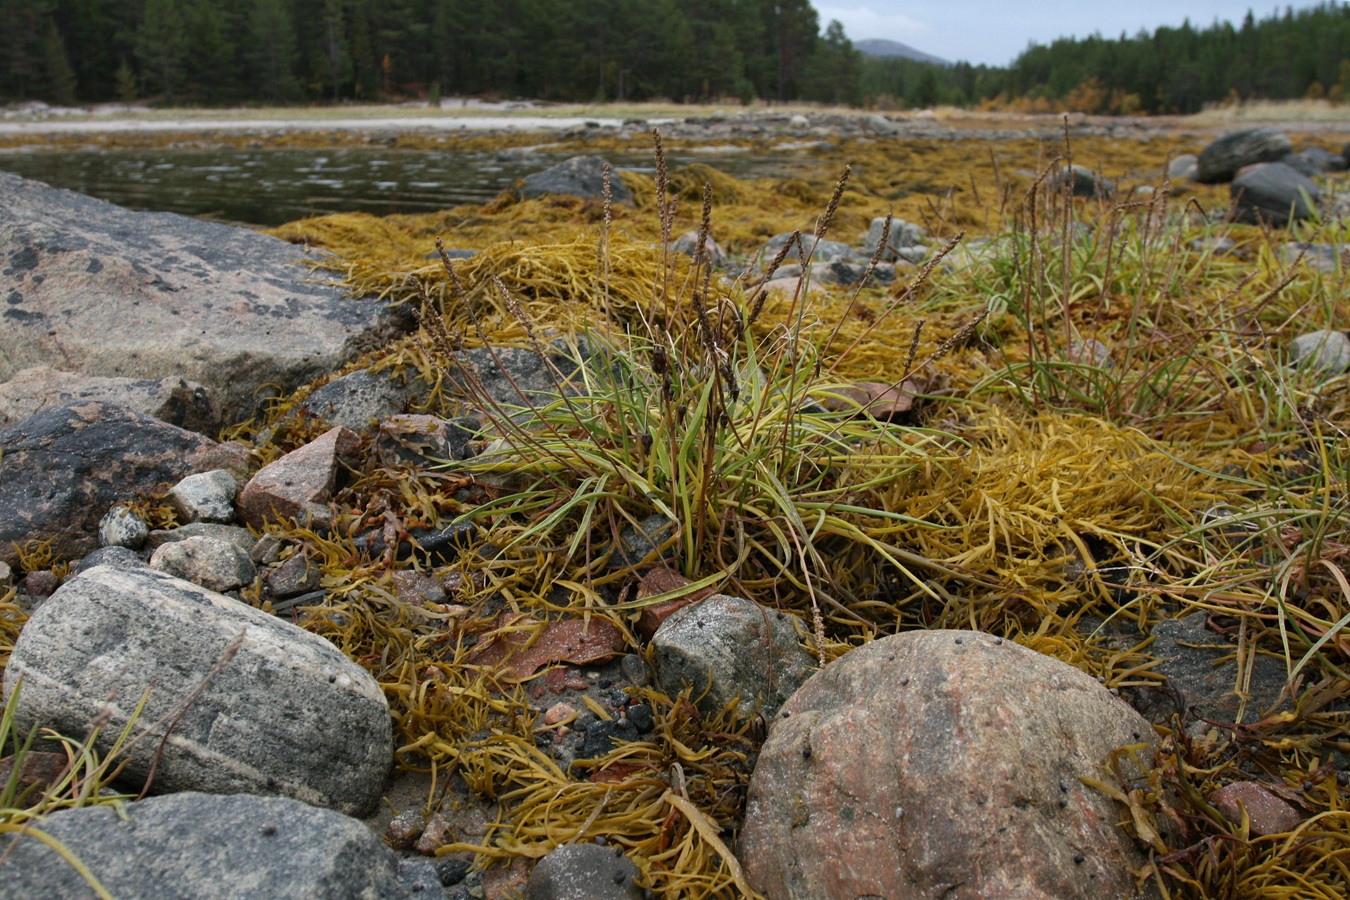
<point>1317,257</point>
<point>1221,160</point>
<point>943,763</point>
<point>100,290</point>
<point>193,846</point>
<point>173,400</point>
<point>1315,161</point>
<point>61,469</point>
<point>1184,167</point>
<point>687,244</point>
<point>580,176</point>
<point>584,872</point>
<point>1266,813</point>
<point>300,484</point>
<point>728,648</point>
<point>905,241</point>
<point>824,251</point>
<point>1328,351</point>
<point>1273,193</point>
<point>288,714</point>
<point>1083,182</point>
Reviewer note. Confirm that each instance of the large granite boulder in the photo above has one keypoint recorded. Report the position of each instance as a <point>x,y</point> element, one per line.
<point>194,846</point>
<point>1222,159</point>
<point>62,469</point>
<point>287,714</point>
<point>944,763</point>
<point>1273,193</point>
<point>93,288</point>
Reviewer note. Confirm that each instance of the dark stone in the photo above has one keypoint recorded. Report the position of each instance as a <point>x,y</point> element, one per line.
<point>358,401</point>
<point>193,846</point>
<point>61,469</point>
<point>1221,160</point>
<point>584,872</point>
<point>442,545</point>
<point>1083,182</point>
<point>1314,161</point>
<point>117,557</point>
<point>580,176</point>
<point>1197,684</point>
<point>1273,193</point>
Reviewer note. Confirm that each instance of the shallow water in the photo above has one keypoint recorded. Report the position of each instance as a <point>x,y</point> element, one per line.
<point>265,187</point>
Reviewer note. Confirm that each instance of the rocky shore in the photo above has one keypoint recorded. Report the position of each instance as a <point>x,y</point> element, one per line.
<point>217,606</point>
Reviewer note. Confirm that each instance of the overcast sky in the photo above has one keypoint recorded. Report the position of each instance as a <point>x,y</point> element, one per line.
<point>995,31</point>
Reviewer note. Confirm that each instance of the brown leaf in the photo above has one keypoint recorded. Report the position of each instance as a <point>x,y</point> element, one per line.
<point>573,641</point>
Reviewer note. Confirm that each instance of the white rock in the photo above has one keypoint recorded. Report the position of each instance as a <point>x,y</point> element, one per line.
<point>206,497</point>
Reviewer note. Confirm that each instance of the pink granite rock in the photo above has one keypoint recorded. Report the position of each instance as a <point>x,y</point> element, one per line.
<point>300,484</point>
<point>943,763</point>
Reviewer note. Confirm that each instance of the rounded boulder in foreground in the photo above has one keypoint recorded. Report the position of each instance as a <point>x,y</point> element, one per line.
<point>943,763</point>
<point>288,714</point>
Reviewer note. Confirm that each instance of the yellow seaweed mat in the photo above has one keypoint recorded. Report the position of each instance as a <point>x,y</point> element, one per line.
<point>1060,502</point>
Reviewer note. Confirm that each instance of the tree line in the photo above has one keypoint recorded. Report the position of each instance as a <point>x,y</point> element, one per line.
<point>1286,55</point>
<point>214,52</point>
<point>286,51</point>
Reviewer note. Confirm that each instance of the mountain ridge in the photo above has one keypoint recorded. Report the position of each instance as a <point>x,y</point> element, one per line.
<point>883,48</point>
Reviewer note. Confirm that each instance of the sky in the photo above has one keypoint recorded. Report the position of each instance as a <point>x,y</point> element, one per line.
<point>995,31</point>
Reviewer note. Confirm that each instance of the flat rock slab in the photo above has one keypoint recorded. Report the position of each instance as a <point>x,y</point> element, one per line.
<point>943,764</point>
<point>173,400</point>
<point>90,287</point>
<point>288,715</point>
<point>61,470</point>
<point>193,846</point>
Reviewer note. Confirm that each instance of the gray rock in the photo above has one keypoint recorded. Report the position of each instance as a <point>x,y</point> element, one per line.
<point>61,469</point>
<point>584,872</point>
<point>215,565</point>
<point>174,400</point>
<point>288,715</point>
<point>1328,351</point>
<point>1083,182</point>
<point>880,125</point>
<point>904,237</point>
<point>117,557</point>
<point>1319,257</point>
<point>206,497</point>
<point>511,377</point>
<point>749,651</point>
<point>1314,161</point>
<point>640,543</point>
<point>1215,246</point>
<point>193,846</point>
<point>1184,167</point>
<point>101,290</point>
<point>1273,193</point>
<point>293,577</point>
<point>1202,674</point>
<point>234,534</point>
<point>359,401</point>
<point>824,252</point>
<point>687,244</point>
<point>944,763</point>
<point>1222,159</point>
<point>122,527</point>
<point>580,176</point>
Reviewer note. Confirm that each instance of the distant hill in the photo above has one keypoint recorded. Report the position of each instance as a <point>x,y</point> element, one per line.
<point>883,48</point>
